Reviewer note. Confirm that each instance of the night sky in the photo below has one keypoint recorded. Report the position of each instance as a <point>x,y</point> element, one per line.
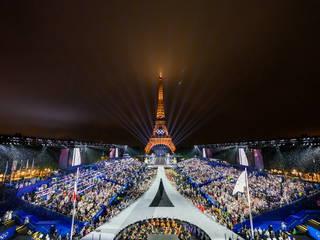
<point>88,69</point>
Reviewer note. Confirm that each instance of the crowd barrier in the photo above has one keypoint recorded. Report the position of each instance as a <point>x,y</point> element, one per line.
<point>203,194</point>
<point>40,213</point>
<point>208,198</point>
<point>192,182</point>
<point>43,225</point>
<point>31,188</point>
<point>210,181</point>
<point>102,210</point>
<point>112,181</point>
<point>239,167</point>
<point>121,192</point>
<point>114,199</point>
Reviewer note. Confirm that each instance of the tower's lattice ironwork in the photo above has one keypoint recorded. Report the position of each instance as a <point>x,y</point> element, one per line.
<point>160,134</point>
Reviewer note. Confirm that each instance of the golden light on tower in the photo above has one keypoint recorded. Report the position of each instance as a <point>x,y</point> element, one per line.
<point>160,134</point>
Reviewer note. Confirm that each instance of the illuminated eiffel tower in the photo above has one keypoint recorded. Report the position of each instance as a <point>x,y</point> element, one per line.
<point>160,138</point>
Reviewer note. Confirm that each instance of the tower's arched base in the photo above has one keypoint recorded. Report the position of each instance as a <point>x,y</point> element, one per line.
<point>155,141</point>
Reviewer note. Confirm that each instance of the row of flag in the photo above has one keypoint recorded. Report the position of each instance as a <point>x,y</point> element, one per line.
<point>15,165</point>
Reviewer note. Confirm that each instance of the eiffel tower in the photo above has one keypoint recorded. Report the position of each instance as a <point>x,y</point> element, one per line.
<point>160,137</point>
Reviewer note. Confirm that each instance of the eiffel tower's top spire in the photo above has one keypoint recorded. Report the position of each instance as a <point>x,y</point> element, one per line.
<point>160,107</point>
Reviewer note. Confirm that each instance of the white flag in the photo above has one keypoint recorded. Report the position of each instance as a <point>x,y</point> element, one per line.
<point>240,184</point>
<point>6,169</point>
<point>243,160</point>
<point>204,154</point>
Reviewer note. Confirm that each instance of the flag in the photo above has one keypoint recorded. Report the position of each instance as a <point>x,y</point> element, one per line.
<point>243,160</point>
<point>5,172</point>
<point>14,165</point>
<point>74,197</point>
<point>240,184</point>
<point>21,165</point>
<point>6,169</point>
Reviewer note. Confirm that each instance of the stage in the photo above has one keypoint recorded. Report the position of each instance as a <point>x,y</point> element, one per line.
<point>162,237</point>
<point>182,209</point>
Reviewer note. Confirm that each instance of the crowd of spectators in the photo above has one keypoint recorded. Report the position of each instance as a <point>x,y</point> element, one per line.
<point>161,226</point>
<point>267,234</point>
<point>267,191</point>
<point>97,185</point>
<point>201,172</point>
<point>139,185</point>
<point>27,182</point>
<point>92,191</point>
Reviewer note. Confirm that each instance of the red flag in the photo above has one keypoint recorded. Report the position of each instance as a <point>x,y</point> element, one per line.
<point>74,197</point>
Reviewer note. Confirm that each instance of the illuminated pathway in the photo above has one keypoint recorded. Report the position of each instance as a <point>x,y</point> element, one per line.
<point>183,209</point>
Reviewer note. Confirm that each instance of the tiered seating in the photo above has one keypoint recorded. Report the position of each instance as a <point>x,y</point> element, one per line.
<point>201,172</point>
<point>103,190</point>
<point>93,190</point>
<point>267,191</point>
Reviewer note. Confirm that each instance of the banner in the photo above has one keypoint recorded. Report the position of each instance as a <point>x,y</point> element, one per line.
<point>209,153</point>
<point>8,233</point>
<point>204,154</point>
<point>63,160</point>
<point>258,159</point>
<point>76,157</point>
<point>112,153</point>
<point>117,152</point>
<point>243,160</point>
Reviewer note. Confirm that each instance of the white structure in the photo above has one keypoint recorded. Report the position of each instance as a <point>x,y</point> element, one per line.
<point>117,153</point>
<point>243,160</point>
<point>183,209</point>
<point>76,157</point>
<point>168,159</point>
<point>204,154</point>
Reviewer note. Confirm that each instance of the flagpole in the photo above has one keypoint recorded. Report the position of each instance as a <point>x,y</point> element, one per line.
<point>249,203</point>
<point>74,203</point>
<point>12,170</point>
<point>20,169</point>
<point>5,173</point>
<point>10,178</point>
